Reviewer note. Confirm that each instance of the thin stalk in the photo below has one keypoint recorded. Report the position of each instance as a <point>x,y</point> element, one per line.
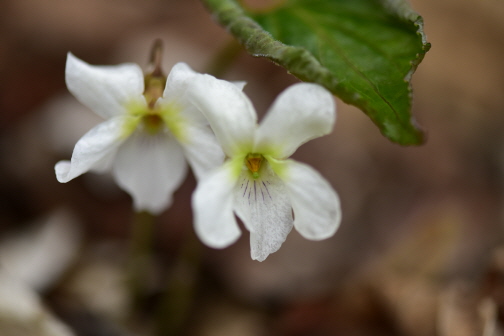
<point>180,290</point>
<point>142,231</point>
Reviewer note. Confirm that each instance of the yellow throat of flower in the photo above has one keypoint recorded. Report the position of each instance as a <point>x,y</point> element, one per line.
<point>152,123</point>
<point>155,118</point>
<point>155,83</point>
<point>253,162</point>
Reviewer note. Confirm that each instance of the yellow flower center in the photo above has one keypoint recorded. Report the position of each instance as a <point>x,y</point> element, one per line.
<point>253,162</point>
<point>152,123</point>
<point>155,117</point>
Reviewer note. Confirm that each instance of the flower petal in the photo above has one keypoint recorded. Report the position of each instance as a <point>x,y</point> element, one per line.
<point>239,84</point>
<point>228,110</point>
<point>93,150</point>
<point>212,203</point>
<point>104,89</point>
<point>264,207</point>
<point>302,112</point>
<point>202,150</point>
<point>176,92</point>
<point>317,211</point>
<point>150,168</point>
<point>178,79</point>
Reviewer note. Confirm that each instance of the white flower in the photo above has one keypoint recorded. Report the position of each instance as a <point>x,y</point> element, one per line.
<point>148,130</point>
<point>257,181</point>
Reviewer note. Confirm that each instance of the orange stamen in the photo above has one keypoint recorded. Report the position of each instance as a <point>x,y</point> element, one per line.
<point>253,163</point>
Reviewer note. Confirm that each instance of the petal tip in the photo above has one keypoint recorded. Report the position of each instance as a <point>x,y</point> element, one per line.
<point>72,60</point>
<point>258,257</point>
<point>216,241</point>
<point>327,232</point>
<point>152,208</point>
<point>62,170</point>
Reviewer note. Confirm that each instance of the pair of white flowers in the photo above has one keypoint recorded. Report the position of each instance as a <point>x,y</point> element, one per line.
<point>155,126</point>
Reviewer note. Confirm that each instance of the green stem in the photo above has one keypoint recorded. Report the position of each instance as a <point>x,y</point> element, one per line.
<point>178,297</point>
<point>142,231</point>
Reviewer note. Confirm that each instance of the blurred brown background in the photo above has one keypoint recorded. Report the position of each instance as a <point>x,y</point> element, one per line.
<point>418,252</point>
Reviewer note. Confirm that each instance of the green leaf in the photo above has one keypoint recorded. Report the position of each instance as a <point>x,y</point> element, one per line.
<point>363,51</point>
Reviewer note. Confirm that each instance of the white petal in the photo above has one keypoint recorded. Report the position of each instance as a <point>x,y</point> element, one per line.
<point>150,168</point>
<point>177,80</point>
<point>239,84</point>
<point>176,93</point>
<point>93,150</point>
<point>264,207</point>
<point>202,150</point>
<point>228,110</point>
<point>104,89</point>
<point>302,112</point>
<point>317,211</point>
<point>212,203</point>
<point>181,74</point>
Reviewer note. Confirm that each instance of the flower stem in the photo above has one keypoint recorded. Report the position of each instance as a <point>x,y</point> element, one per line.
<point>142,231</point>
<point>178,296</point>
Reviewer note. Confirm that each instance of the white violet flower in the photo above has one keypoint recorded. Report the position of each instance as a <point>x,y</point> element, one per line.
<point>151,127</point>
<point>257,181</point>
